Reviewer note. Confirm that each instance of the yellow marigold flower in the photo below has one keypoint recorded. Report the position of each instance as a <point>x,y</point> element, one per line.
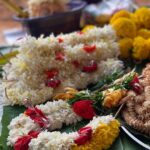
<point>68,94</point>
<point>125,27</point>
<point>112,98</point>
<point>143,15</point>
<point>144,33</point>
<point>87,28</point>
<point>141,49</point>
<point>120,14</point>
<point>126,45</point>
<point>136,21</point>
<point>102,138</point>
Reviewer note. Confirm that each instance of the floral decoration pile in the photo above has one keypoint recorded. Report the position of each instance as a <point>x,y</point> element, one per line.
<point>28,129</point>
<point>45,66</point>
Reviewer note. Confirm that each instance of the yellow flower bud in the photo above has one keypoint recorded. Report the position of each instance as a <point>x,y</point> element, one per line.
<point>68,94</point>
<point>112,98</point>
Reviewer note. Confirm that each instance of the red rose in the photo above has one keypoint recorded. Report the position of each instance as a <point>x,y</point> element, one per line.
<point>89,48</point>
<point>23,142</point>
<point>135,85</point>
<point>85,134</point>
<point>84,109</point>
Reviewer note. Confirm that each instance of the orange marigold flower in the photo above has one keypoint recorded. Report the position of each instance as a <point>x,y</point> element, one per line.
<point>68,94</point>
<point>112,98</point>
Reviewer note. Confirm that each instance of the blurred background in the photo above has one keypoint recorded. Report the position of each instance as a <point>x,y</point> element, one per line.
<point>10,29</point>
<point>6,22</point>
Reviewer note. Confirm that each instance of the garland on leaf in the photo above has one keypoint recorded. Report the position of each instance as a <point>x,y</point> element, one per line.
<point>81,105</point>
<point>95,135</point>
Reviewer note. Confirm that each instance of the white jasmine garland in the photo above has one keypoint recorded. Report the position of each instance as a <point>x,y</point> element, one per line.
<point>37,55</point>
<point>63,141</point>
<point>58,113</point>
<point>20,126</point>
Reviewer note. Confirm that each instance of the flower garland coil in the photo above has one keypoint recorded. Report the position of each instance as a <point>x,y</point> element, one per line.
<point>45,66</point>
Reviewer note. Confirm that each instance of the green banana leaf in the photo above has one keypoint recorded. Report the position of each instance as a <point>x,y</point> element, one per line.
<point>123,142</point>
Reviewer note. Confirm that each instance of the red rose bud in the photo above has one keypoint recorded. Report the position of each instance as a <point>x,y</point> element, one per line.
<point>23,142</point>
<point>53,83</point>
<point>135,85</point>
<point>85,134</point>
<point>51,73</point>
<point>60,40</point>
<point>89,48</point>
<point>60,56</point>
<point>90,68</point>
<point>137,88</point>
<point>84,108</point>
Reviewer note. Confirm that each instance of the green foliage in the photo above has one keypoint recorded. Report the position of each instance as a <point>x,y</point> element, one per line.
<point>106,80</point>
<point>83,95</point>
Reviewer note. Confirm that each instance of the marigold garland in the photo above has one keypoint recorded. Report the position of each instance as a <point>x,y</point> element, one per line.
<point>102,138</point>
